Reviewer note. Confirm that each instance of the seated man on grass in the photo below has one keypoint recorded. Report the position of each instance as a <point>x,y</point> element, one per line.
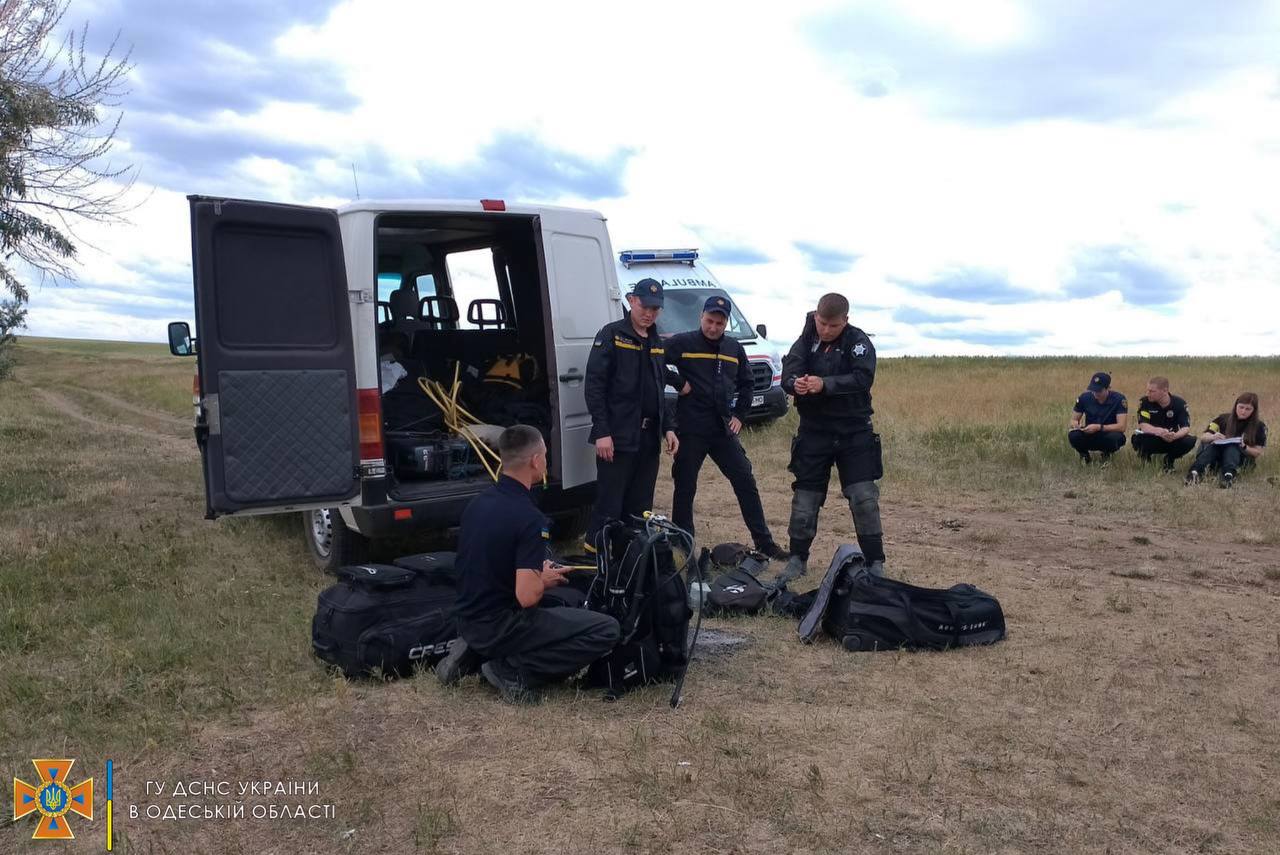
<point>1098,420</point>
<point>1164,425</point>
<point>502,553</point>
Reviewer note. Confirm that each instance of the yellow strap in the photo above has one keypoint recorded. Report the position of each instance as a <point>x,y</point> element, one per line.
<point>628,345</point>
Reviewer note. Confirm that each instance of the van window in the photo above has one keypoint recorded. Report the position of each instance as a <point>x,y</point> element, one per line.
<point>387,282</point>
<point>472,277</point>
<point>682,311</point>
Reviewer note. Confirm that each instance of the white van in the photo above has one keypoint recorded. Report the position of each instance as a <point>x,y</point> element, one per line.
<point>686,285</point>
<point>292,305</point>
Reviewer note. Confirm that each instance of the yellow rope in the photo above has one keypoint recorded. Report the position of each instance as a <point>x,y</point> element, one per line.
<point>458,420</point>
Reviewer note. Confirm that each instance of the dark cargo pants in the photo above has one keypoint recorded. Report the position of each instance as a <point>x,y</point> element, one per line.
<point>731,459</point>
<point>543,645</point>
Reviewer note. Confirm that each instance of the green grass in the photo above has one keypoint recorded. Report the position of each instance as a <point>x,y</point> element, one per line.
<point>130,627</point>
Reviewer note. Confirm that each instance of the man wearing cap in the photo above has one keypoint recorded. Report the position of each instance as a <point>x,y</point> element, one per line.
<point>1164,424</point>
<point>626,375</point>
<point>1098,420</point>
<point>710,411</point>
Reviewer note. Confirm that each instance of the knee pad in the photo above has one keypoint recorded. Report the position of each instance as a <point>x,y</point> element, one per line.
<point>864,503</point>
<point>805,505</point>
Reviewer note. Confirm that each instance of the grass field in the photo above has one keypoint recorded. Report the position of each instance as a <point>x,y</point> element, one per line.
<point>1133,708</point>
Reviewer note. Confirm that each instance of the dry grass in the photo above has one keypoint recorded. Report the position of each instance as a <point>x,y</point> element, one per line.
<point>1132,709</point>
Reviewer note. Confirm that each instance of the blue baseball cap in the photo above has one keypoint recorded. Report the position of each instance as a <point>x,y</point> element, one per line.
<point>717,304</point>
<point>1100,381</point>
<point>650,293</point>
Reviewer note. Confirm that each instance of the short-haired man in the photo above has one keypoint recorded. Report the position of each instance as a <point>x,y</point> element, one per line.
<point>1164,425</point>
<point>1098,420</point>
<point>502,553</point>
<point>626,378</point>
<point>710,414</point>
<point>830,370</point>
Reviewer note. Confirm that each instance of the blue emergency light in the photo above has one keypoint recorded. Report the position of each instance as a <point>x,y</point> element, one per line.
<point>629,257</point>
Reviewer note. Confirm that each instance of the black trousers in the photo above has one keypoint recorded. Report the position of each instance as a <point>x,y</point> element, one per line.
<point>726,451</point>
<point>1149,446</point>
<point>624,487</point>
<point>543,645</point>
<point>856,457</point>
<point>1108,442</point>
<point>1224,458</point>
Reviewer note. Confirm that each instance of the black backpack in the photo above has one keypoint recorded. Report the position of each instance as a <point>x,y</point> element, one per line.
<point>385,618</point>
<point>867,612</point>
<point>638,583</point>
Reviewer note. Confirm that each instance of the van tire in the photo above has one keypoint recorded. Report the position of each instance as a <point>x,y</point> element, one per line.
<point>329,541</point>
<point>570,524</point>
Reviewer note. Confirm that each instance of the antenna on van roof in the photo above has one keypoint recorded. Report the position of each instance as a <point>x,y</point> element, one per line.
<point>354,179</point>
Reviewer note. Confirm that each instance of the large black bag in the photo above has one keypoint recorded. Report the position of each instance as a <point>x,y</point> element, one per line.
<point>384,618</point>
<point>867,612</point>
<point>638,583</point>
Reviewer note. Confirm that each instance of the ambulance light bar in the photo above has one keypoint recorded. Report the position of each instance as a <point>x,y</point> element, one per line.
<point>637,256</point>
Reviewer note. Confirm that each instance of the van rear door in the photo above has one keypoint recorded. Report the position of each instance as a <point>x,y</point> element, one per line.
<point>280,424</point>
<point>583,294</point>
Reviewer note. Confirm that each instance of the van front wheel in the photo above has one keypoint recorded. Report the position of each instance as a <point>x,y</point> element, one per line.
<point>330,542</point>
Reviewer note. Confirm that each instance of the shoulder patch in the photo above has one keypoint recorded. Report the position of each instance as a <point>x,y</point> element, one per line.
<point>598,343</point>
<point>859,349</point>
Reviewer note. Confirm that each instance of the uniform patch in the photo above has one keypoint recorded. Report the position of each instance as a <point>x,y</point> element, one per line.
<point>598,343</point>
<point>1168,414</point>
<point>859,349</point>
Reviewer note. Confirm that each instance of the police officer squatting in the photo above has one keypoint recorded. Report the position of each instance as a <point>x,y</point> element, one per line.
<point>1098,420</point>
<point>714,400</point>
<point>517,644</point>
<point>630,416</point>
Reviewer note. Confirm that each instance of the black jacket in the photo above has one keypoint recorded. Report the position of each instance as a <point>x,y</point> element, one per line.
<point>613,383</point>
<point>847,367</point>
<point>718,371</point>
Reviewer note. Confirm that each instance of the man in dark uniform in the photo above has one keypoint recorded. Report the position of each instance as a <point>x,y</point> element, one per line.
<point>1098,420</point>
<point>626,376</point>
<point>502,551</point>
<point>830,370</point>
<point>710,414</point>
<point>1164,424</point>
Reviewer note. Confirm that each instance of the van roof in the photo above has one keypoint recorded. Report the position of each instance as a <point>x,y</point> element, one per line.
<point>469,206</point>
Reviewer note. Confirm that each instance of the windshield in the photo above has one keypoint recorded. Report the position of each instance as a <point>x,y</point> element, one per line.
<point>682,311</point>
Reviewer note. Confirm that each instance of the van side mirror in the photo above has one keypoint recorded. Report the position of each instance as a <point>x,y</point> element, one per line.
<point>180,341</point>
<point>760,328</point>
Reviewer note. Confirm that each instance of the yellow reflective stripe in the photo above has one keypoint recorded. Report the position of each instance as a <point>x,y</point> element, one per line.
<point>1144,414</point>
<point>588,547</point>
<point>657,351</point>
<point>628,345</point>
<point>723,356</point>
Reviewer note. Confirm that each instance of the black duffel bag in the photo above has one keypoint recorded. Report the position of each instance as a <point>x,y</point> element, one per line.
<point>384,619</point>
<point>867,612</point>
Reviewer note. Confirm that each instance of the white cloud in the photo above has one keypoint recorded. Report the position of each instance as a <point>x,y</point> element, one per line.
<point>742,131</point>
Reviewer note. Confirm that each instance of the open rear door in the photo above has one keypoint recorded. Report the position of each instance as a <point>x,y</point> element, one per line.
<point>276,358</point>
<point>584,297</point>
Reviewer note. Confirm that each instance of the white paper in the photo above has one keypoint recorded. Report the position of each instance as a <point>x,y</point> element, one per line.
<point>1235,440</point>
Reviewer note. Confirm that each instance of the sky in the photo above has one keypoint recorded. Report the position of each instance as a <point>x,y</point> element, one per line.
<point>988,177</point>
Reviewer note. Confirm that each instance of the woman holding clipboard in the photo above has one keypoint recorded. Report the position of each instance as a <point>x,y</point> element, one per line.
<point>1230,441</point>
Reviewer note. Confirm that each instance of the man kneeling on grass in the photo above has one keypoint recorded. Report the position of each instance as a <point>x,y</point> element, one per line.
<point>502,552</point>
